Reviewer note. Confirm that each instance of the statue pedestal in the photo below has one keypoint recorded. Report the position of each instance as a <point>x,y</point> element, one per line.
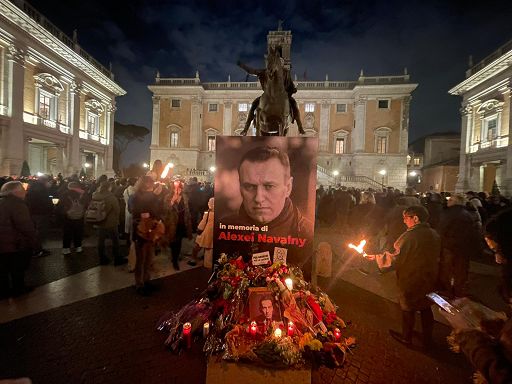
<point>221,372</point>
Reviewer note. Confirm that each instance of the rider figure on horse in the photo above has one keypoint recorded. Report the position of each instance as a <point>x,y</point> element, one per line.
<point>290,89</point>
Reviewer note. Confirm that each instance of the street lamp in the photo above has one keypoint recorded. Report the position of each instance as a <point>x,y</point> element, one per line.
<point>335,173</point>
<point>212,169</point>
<point>382,172</point>
<point>413,173</point>
<point>145,165</point>
<point>87,165</point>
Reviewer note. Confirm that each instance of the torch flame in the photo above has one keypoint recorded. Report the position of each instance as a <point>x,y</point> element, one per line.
<point>359,248</point>
<point>166,170</point>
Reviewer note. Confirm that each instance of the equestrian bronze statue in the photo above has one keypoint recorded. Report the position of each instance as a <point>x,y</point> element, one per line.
<point>273,110</point>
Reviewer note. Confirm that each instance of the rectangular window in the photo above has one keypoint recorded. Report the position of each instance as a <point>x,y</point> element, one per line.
<point>93,124</point>
<point>173,142</point>
<point>211,143</point>
<point>340,145</point>
<point>243,107</point>
<point>341,108</point>
<point>416,161</point>
<point>213,107</point>
<point>492,129</point>
<point>382,144</point>
<point>175,103</point>
<point>309,107</point>
<point>383,104</point>
<point>45,105</point>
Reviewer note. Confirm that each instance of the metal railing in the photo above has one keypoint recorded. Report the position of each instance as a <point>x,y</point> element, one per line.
<point>40,19</point>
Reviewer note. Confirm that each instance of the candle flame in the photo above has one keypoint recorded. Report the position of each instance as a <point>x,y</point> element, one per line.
<point>359,248</point>
<point>168,166</point>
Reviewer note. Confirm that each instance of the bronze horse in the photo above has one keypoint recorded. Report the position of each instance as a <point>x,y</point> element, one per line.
<point>272,110</point>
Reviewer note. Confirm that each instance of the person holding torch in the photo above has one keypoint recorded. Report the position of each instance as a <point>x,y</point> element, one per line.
<point>416,261</point>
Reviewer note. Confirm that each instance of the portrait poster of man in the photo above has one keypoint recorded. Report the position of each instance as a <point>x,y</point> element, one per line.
<point>265,197</point>
<point>262,307</point>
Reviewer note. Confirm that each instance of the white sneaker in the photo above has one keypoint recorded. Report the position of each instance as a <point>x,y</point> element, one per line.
<point>66,251</point>
<point>78,250</point>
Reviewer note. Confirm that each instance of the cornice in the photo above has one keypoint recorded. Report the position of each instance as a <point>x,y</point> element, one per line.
<point>36,31</point>
<point>499,65</point>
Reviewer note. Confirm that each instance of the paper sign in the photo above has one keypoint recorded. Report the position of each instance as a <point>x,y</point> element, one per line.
<point>262,258</point>
<point>280,255</point>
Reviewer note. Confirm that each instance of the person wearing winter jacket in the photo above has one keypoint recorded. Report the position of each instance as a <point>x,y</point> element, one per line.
<point>17,239</point>
<point>71,210</point>
<point>108,228</point>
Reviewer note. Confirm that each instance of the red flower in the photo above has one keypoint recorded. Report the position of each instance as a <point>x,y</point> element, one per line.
<point>331,317</point>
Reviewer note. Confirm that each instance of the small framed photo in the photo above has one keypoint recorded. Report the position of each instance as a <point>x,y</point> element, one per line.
<point>263,307</point>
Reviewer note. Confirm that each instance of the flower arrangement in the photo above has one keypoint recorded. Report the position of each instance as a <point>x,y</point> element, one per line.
<point>310,330</point>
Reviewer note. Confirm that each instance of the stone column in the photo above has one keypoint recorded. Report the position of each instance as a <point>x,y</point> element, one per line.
<point>195,123</point>
<point>12,140</point>
<point>325,117</point>
<point>227,118</point>
<point>109,150</point>
<point>155,125</point>
<point>507,182</point>
<point>74,162</point>
<point>463,181</point>
<point>358,131</point>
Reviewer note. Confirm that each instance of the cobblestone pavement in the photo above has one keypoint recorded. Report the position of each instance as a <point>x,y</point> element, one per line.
<point>112,339</point>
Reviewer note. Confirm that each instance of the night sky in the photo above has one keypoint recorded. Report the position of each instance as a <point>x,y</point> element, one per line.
<point>432,39</point>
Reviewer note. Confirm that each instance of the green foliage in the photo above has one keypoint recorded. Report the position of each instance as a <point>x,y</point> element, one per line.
<point>495,190</point>
<point>124,134</point>
<point>25,169</point>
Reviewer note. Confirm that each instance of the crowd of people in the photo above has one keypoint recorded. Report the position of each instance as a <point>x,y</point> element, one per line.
<point>115,208</point>
<point>428,239</point>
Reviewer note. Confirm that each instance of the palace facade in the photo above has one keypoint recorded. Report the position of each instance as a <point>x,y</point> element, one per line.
<point>362,125</point>
<point>57,103</point>
<point>486,150</point>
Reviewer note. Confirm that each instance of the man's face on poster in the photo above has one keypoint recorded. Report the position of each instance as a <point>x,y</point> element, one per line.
<point>267,309</point>
<point>264,187</point>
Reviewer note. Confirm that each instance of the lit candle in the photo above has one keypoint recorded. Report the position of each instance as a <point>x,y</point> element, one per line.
<point>253,328</point>
<point>359,248</point>
<point>206,329</point>
<point>278,333</point>
<point>291,328</point>
<point>187,327</point>
<point>337,334</point>
<point>289,283</point>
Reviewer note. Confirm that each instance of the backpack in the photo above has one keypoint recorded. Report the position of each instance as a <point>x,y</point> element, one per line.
<point>96,211</point>
<point>76,210</point>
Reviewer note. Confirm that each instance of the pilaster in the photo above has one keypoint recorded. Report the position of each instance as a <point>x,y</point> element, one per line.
<point>325,117</point>
<point>404,125</point>
<point>155,125</point>
<point>463,181</point>
<point>358,132</point>
<point>12,141</point>
<point>73,158</point>
<point>195,126</point>
<point>227,118</point>
<point>109,150</point>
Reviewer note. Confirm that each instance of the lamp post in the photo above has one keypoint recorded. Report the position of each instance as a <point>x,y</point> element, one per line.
<point>335,173</point>
<point>382,172</point>
<point>212,172</point>
<point>145,165</point>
